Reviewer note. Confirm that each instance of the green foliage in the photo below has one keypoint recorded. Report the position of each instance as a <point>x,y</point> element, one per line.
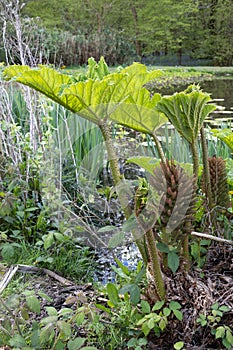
<point>57,330</point>
<point>157,321</point>
<point>112,326</point>
<point>179,345</point>
<point>212,321</point>
<point>112,294</point>
<point>97,100</point>
<point>79,37</point>
<point>220,33</point>
<point>102,97</point>
<point>138,112</point>
<point>174,78</point>
<point>66,256</point>
<point>136,344</point>
<point>226,135</point>
<point>92,99</point>
<point>148,163</point>
<point>112,97</point>
<point>129,281</point>
<point>199,250</point>
<point>28,235</point>
<point>225,334</point>
<point>123,297</point>
<point>20,216</point>
<point>69,258</point>
<point>138,317</point>
<point>97,70</point>
<point>125,36</point>
<point>173,259</point>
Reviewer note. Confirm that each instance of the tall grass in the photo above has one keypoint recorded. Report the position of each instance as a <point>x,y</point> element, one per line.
<point>77,139</point>
<point>81,152</point>
<point>63,158</point>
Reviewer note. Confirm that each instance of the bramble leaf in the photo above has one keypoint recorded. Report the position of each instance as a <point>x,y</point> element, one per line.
<point>145,307</point>
<point>112,293</point>
<point>173,261</point>
<point>33,303</point>
<point>158,305</point>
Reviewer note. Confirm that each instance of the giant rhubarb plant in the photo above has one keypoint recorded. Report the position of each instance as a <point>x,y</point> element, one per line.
<point>101,98</point>
<point>187,111</point>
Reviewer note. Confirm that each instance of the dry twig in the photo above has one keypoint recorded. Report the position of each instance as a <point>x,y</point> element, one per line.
<point>213,238</point>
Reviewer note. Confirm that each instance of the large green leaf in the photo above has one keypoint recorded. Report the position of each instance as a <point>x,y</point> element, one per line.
<point>139,112</point>
<point>112,293</point>
<point>92,99</point>
<point>96,100</point>
<point>134,292</point>
<point>173,261</point>
<point>97,70</point>
<point>117,95</point>
<point>139,75</point>
<point>187,111</point>
<point>43,79</point>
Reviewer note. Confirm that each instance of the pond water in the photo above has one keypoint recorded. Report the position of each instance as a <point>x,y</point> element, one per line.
<point>221,91</point>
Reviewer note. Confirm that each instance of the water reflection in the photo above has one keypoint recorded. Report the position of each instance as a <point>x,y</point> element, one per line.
<point>220,89</point>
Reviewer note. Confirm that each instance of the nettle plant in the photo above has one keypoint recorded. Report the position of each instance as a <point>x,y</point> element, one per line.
<point>164,205</point>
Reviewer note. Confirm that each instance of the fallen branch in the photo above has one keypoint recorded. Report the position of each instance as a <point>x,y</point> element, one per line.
<point>57,277</point>
<point>30,269</point>
<point>213,238</point>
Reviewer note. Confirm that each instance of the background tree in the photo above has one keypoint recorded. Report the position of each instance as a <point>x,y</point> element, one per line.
<point>165,26</point>
<point>124,31</point>
<point>222,36</point>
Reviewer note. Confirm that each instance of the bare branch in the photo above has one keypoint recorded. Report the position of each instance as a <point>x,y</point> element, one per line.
<point>213,238</point>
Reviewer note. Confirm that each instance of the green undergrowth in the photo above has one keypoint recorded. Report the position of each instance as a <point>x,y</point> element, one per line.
<point>116,316</point>
<point>68,259</point>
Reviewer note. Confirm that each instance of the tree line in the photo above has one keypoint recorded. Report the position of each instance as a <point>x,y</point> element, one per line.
<point>70,31</point>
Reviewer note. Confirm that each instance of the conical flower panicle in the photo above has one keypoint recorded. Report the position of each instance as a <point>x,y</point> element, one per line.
<point>166,179</point>
<point>218,181</point>
<point>168,200</point>
<point>177,204</point>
